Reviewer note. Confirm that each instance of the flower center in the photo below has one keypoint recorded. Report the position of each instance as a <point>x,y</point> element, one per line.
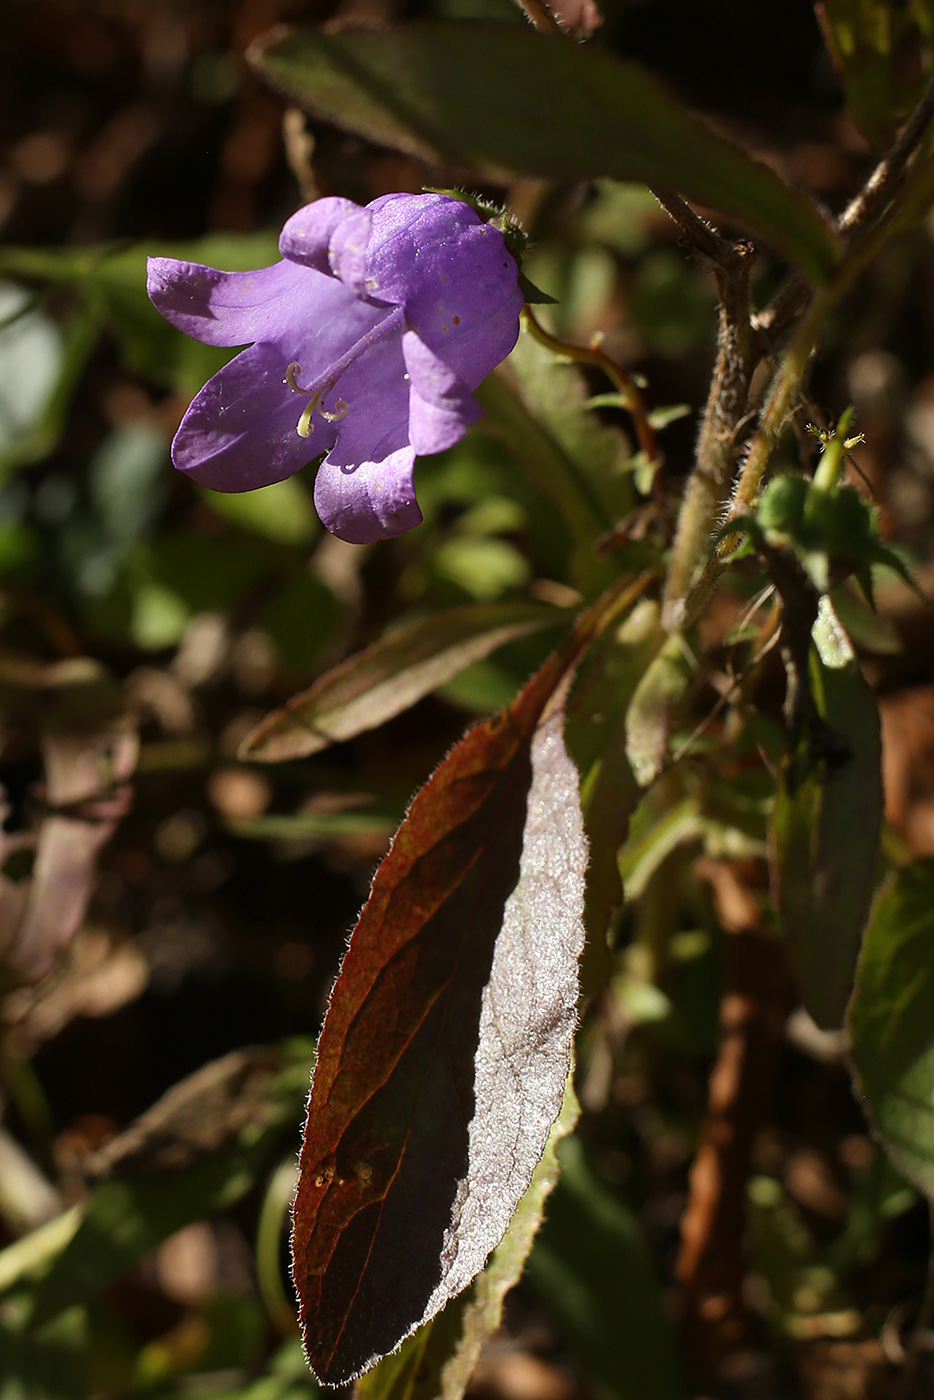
<point>388,326</point>
<point>305,426</point>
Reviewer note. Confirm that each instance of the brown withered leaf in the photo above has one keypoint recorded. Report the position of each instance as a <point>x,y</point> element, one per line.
<point>89,747</point>
<point>443,1058</point>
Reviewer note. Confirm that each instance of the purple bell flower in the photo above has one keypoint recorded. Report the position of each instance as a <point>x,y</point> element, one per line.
<point>365,343</point>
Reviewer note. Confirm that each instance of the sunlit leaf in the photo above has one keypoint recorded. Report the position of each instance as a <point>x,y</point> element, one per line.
<point>500,100</point>
<point>436,1362</point>
<point>891,1021</point>
<point>654,705</point>
<point>390,676</point>
<point>443,1059</point>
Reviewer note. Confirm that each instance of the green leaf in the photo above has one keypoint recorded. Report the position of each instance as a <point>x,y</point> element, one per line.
<point>891,1021</point>
<point>826,824</point>
<point>658,696</point>
<point>868,41</point>
<point>596,738</point>
<point>282,512</point>
<point>437,1361</point>
<point>197,1151</point>
<point>592,1266</point>
<point>500,100</point>
<point>390,676</point>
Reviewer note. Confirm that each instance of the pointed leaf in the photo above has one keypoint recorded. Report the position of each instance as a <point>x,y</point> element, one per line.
<point>437,1361</point>
<point>443,1058</point>
<point>891,1022</point>
<point>500,100</point>
<point>657,699</point>
<point>390,676</point>
<point>197,1151</point>
<point>826,824</point>
<point>596,739</point>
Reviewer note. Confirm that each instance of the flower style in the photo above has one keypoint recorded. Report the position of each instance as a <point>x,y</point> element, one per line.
<point>365,343</point>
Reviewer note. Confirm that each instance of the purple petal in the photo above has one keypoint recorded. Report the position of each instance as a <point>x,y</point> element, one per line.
<point>374,388</point>
<point>371,501</point>
<point>347,252</point>
<point>306,236</point>
<point>441,407</point>
<point>230,308</point>
<point>240,431</point>
<point>454,276</point>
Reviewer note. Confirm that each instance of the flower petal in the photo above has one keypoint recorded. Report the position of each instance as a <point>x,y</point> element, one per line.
<point>306,236</point>
<point>347,252</point>
<point>371,501</point>
<point>441,407</point>
<point>375,390</point>
<point>230,308</point>
<point>240,431</point>
<point>452,273</point>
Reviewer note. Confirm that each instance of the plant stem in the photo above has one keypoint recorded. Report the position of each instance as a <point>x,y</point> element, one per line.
<point>709,482</point>
<point>793,293</point>
<point>706,239</point>
<point>628,389</point>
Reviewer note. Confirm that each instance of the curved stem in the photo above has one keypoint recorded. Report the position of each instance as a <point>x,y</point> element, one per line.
<point>628,389</point>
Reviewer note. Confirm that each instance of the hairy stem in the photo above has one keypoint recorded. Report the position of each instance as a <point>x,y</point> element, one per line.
<point>709,484</point>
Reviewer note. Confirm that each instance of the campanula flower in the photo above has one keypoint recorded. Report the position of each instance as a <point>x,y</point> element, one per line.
<point>364,344</point>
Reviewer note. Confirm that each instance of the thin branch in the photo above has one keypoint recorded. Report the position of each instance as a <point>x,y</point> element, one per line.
<point>705,238</point>
<point>891,167</point>
<point>793,293</point>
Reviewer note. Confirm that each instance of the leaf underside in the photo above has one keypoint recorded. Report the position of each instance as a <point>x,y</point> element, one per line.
<point>444,1055</point>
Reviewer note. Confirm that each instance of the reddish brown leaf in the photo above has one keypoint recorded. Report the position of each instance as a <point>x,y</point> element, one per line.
<point>443,1058</point>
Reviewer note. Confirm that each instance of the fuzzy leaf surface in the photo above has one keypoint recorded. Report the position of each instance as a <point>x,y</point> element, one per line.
<point>443,1058</point>
<point>437,1361</point>
<point>390,676</point>
<point>499,100</point>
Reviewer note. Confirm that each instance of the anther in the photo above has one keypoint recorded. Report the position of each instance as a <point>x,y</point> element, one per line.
<point>341,408</point>
<point>293,369</point>
<point>305,426</point>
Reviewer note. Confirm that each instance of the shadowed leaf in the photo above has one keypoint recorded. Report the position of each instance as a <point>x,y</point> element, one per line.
<point>196,1151</point>
<point>592,1265</point>
<point>437,1361</point>
<point>828,814</point>
<point>443,1059</point>
<point>390,676</point>
<point>891,1021</point>
<point>500,100</point>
